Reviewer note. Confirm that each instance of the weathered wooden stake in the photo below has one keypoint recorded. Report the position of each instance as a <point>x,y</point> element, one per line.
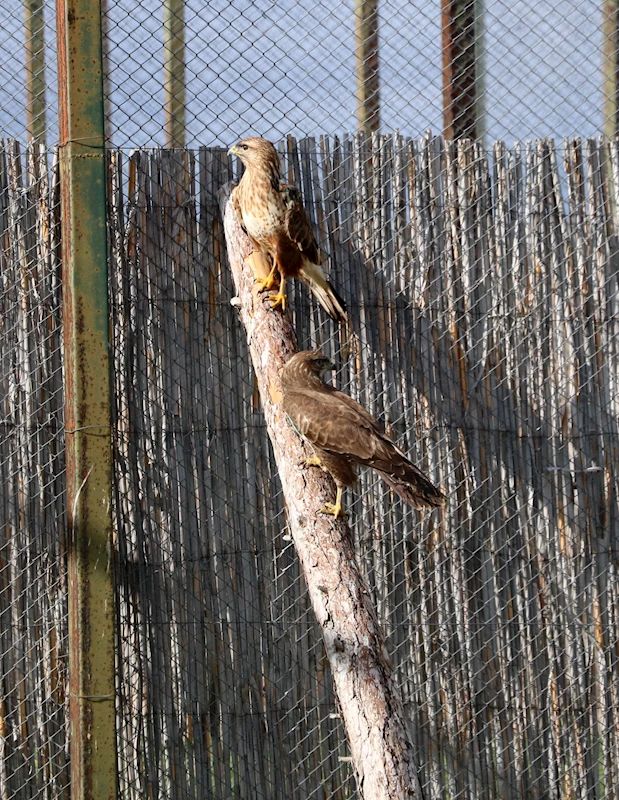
<point>87,401</point>
<point>35,69</point>
<point>366,51</point>
<point>460,79</point>
<point>174,71</point>
<point>370,705</point>
<point>610,65</point>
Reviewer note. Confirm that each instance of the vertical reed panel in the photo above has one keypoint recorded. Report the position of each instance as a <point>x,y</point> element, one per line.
<point>33,602</point>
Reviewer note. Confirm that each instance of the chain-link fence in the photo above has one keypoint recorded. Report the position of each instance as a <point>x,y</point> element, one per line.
<point>480,281</point>
<point>276,68</point>
<point>222,69</point>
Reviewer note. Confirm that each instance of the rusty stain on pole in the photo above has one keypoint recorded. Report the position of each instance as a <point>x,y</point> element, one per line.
<point>35,68</point>
<point>460,80</point>
<point>174,71</point>
<point>366,52</point>
<point>87,401</point>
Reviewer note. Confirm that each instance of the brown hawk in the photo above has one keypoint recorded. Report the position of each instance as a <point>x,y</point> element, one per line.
<point>343,434</point>
<point>273,216</point>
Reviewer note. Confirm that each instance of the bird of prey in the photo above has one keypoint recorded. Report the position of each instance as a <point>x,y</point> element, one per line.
<point>343,434</point>
<point>273,216</point>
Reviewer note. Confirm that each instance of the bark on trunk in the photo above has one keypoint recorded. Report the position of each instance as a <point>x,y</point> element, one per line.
<point>369,699</point>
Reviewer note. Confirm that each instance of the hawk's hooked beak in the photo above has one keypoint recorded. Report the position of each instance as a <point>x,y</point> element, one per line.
<point>328,367</point>
<point>233,151</point>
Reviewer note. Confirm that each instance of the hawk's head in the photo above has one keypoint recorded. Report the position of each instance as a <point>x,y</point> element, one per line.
<point>305,368</point>
<point>257,154</point>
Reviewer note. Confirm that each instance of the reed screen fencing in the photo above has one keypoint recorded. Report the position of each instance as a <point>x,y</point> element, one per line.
<point>482,289</point>
<point>33,584</point>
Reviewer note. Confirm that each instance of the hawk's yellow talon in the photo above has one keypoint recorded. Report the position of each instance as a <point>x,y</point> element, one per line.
<point>268,282</point>
<point>265,284</point>
<point>335,510</point>
<point>314,461</point>
<point>280,297</point>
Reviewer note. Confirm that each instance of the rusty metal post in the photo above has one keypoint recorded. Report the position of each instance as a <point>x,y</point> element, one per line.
<point>366,52</point>
<point>174,71</point>
<point>35,68</point>
<point>87,401</point>
<point>460,79</point>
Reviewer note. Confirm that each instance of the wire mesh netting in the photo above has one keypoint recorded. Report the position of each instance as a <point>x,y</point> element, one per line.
<point>481,283</point>
<point>28,71</point>
<point>275,68</point>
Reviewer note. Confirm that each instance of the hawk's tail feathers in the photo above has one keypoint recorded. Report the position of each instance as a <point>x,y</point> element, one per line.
<point>415,489</point>
<point>326,295</point>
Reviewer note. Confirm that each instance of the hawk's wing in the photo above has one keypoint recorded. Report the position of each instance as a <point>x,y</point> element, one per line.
<point>298,225</point>
<point>238,207</point>
<point>334,422</point>
<point>236,204</point>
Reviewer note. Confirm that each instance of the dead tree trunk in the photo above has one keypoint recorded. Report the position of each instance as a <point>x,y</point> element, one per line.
<point>362,673</point>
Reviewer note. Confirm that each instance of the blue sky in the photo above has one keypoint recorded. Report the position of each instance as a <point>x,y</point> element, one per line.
<point>274,68</point>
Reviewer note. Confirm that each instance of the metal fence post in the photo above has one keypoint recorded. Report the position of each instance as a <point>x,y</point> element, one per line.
<point>88,395</point>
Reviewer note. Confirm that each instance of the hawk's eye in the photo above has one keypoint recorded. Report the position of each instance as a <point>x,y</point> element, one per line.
<point>245,147</point>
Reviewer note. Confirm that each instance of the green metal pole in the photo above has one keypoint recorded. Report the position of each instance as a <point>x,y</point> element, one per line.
<point>35,68</point>
<point>174,71</point>
<point>87,402</point>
